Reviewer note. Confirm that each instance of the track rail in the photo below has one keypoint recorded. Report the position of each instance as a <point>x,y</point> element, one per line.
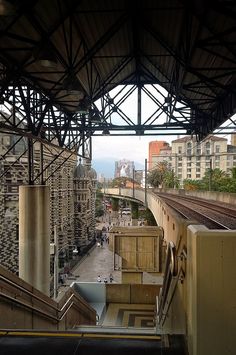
<point>191,210</point>
<point>214,206</point>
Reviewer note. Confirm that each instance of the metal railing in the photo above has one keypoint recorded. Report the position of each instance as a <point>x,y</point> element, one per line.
<point>170,283</point>
<point>15,294</point>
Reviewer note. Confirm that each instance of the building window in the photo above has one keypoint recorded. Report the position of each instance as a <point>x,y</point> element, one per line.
<point>217,163</point>
<point>179,150</point>
<point>198,164</point>
<point>217,148</point>
<point>189,158</point>
<point>189,148</point>
<point>198,176</point>
<point>180,176</point>
<point>189,176</point>
<point>189,170</point>
<point>189,164</point>
<point>208,148</point>
<point>198,158</point>
<point>198,150</point>
<point>234,157</point>
<point>217,157</point>
<point>180,158</point>
<point>198,170</point>
<point>179,164</point>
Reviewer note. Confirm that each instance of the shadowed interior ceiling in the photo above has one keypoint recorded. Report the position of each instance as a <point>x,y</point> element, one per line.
<point>60,58</point>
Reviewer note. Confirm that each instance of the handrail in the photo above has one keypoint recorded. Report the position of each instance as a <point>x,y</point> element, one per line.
<point>55,318</point>
<point>6,280</point>
<point>60,312</point>
<point>12,299</point>
<point>171,271</point>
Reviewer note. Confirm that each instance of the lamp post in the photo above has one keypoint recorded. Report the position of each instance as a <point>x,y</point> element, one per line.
<point>55,271</point>
<point>133,180</point>
<point>145,182</point>
<point>56,254</point>
<point>210,175</point>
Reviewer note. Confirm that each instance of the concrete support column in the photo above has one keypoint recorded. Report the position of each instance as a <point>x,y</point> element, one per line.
<point>211,291</point>
<point>34,236</point>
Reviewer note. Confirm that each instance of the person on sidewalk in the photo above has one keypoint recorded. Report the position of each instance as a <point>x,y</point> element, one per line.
<point>99,278</point>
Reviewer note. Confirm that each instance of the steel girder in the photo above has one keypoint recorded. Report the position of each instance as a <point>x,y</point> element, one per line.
<point>198,97</point>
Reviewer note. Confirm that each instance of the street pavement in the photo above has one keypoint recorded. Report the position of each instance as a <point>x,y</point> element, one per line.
<point>99,262</point>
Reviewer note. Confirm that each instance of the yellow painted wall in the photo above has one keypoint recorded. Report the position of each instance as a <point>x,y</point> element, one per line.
<point>132,277</point>
<point>211,282</point>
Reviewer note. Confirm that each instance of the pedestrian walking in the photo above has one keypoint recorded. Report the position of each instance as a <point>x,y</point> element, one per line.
<point>111,278</point>
<point>99,278</point>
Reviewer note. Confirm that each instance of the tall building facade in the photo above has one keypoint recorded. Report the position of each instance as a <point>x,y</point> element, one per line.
<point>59,175</point>
<point>155,149</point>
<point>85,185</point>
<point>190,159</point>
<point>165,154</point>
<point>124,168</point>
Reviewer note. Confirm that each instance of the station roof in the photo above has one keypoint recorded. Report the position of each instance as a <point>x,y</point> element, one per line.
<point>187,47</point>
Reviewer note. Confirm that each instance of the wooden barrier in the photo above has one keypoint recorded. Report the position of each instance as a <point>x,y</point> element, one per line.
<point>126,293</point>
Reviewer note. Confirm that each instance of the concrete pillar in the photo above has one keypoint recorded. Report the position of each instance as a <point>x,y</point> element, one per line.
<point>34,236</point>
<point>211,291</point>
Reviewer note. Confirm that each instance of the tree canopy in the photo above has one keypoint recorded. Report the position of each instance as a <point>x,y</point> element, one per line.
<point>162,176</point>
<point>214,180</point>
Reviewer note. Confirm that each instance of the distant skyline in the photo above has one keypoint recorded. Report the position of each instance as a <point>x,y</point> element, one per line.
<point>107,150</point>
<point>131,148</point>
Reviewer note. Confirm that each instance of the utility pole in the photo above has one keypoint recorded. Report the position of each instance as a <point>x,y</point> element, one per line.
<point>55,262</point>
<point>210,175</point>
<point>133,180</point>
<point>145,177</point>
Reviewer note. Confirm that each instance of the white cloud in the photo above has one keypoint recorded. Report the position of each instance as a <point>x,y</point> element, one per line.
<point>125,147</point>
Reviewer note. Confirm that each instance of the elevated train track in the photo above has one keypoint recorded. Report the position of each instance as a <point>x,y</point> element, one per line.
<point>212,215</point>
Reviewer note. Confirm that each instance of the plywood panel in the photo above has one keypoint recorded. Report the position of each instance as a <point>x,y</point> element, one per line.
<point>138,252</point>
<point>127,243</point>
<point>146,261</point>
<point>128,260</point>
<point>145,244</point>
<point>134,293</point>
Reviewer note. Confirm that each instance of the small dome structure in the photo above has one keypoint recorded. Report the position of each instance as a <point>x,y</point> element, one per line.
<point>80,172</point>
<point>93,174</point>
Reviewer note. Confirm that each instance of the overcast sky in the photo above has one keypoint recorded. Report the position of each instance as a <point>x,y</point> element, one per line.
<point>130,148</point>
<point>133,148</point>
